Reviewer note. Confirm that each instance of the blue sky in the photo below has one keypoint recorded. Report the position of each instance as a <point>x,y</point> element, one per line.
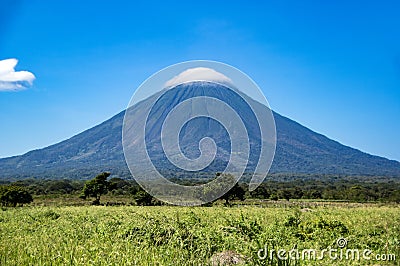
<point>331,66</point>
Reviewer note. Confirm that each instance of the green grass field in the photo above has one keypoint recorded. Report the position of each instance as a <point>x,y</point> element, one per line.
<point>131,235</point>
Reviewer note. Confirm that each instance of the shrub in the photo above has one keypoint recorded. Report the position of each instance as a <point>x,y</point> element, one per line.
<point>13,195</point>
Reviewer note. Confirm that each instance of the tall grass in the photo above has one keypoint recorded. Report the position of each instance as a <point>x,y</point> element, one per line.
<point>130,235</point>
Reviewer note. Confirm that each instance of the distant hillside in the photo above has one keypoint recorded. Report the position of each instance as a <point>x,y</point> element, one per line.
<point>299,150</point>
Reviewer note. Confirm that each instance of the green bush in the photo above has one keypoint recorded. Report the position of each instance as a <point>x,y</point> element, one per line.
<point>13,195</point>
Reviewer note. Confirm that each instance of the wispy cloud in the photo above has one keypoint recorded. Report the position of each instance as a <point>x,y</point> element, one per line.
<point>198,73</point>
<point>11,80</point>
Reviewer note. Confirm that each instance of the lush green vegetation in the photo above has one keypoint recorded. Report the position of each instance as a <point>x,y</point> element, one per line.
<point>62,227</point>
<point>353,189</point>
<point>164,235</point>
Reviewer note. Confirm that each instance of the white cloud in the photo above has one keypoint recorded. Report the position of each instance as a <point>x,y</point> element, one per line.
<point>11,80</point>
<point>198,73</point>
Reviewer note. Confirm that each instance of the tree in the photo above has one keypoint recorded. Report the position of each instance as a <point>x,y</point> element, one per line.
<point>315,194</point>
<point>274,196</point>
<point>284,194</point>
<point>13,195</point>
<point>236,192</point>
<point>262,192</point>
<point>97,187</point>
<point>59,186</point>
<point>297,193</point>
<point>217,189</point>
<point>142,198</point>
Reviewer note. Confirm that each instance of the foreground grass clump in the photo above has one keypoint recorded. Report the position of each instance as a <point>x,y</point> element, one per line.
<point>130,235</point>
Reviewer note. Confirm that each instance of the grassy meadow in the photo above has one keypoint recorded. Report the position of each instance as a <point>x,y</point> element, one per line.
<point>166,235</point>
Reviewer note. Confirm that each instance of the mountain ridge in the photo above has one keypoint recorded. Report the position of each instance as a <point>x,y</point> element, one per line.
<point>299,150</point>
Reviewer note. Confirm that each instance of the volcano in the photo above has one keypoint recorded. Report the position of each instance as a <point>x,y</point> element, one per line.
<point>299,150</point>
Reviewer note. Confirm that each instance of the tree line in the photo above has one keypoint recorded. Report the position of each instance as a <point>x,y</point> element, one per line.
<point>346,189</point>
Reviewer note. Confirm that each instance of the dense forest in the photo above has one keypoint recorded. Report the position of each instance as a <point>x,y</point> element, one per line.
<point>275,187</point>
